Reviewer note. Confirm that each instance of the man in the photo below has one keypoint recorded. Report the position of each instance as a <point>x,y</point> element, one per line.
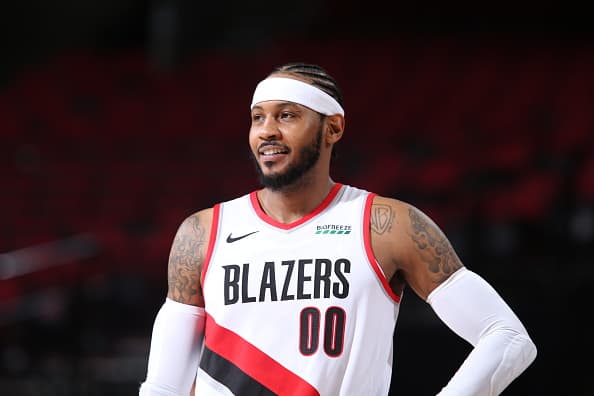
<point>294,289</point>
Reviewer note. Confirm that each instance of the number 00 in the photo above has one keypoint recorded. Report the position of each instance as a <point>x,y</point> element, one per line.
<point>309,335</point>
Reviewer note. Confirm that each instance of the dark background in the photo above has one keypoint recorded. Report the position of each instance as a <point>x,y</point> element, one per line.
<point>120,118</point>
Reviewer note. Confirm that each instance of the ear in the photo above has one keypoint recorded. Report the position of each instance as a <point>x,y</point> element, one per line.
<point>334,128</point>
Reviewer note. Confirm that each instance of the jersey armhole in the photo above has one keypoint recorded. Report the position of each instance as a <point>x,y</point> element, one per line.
<point>214,230</point>
<point>369,251</point>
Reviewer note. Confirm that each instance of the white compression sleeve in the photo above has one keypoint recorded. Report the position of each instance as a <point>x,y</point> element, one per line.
<point>469,306</point>
<point>176,345</point>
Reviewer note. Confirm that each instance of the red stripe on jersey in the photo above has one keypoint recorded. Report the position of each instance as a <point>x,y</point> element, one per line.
<point>214,229</point>
<point>262,215</point>
<point>254,362</point>
<point>370,256</point>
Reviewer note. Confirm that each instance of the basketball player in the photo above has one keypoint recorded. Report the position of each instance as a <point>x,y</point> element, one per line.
<point>294,289</point>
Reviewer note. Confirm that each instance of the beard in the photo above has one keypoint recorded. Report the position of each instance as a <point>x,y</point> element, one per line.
<point>308,157</point>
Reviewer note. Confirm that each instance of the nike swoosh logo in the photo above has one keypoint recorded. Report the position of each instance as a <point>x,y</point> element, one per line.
<point>230,239</point>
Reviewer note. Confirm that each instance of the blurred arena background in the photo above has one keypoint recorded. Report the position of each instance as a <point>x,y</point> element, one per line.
<point>120,118</point>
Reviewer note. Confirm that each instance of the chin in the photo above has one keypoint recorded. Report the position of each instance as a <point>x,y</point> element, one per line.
<point>273,169</point>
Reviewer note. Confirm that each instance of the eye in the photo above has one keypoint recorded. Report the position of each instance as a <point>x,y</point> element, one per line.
<point>286,115</point>
<point>257,117</point>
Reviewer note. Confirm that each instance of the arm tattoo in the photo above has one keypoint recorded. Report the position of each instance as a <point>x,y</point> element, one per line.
<point>185,261</point>
<point>433,247</point>
<point>382,217</point>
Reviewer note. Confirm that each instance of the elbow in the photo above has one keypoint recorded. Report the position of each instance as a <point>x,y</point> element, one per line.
<point>516,344</point>
<point>522,347</point>
<point>530,350</point>
<point>518,355</point>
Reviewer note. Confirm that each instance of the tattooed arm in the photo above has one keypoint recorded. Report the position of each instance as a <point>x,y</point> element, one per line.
<point>413,250</point>
<point>410,246</point>
<point>186,259</point>
<point>178,330</point>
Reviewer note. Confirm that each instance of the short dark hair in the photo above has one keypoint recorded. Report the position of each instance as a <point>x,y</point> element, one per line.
<point>317,75</point>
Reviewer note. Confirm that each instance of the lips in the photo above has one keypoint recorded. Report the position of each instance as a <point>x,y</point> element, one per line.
<point>272,152</point>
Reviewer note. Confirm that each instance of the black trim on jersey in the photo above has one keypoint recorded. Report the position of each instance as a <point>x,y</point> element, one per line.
<point>230,375</point>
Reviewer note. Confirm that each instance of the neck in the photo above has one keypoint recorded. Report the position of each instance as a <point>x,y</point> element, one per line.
<point>292,203</point>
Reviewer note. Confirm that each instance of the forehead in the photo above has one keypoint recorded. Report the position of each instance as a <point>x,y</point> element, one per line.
<point>275,105</point>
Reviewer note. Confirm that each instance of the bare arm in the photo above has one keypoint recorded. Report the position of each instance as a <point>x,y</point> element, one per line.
<point>410,246</point>
<point>413,249</point>
<point>435,256</point>
<point>186,259</point>
<point>178,330</point>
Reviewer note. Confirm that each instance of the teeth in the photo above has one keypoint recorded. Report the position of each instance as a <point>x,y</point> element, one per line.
<point>272,151</point>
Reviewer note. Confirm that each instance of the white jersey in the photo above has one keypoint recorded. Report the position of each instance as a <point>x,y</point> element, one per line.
<point>296,309</point>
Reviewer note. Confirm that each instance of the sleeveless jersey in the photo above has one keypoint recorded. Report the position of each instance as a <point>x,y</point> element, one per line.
<point>296,309</point>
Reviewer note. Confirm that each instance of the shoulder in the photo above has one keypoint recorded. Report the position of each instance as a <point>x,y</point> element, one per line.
<point>408,241</point>
<point>383,208</point>
<point>388,232</point>
<point>202,217</point>
<point>404,215</point>
<point>389,216</point>
<point>196,226</point>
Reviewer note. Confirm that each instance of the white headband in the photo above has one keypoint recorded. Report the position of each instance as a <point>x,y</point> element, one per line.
<point>289,89</point>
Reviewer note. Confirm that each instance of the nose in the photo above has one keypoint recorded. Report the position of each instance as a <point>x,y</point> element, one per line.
<point>268,129</point>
